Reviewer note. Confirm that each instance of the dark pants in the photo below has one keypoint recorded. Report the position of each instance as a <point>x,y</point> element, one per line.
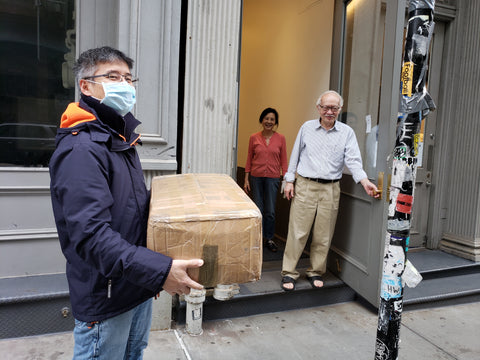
<point>264,191</point>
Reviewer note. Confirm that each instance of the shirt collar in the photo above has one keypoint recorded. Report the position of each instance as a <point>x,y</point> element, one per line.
<point>334,128</point>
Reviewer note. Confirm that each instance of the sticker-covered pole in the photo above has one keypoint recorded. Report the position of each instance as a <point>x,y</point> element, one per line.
<point>415,103</point>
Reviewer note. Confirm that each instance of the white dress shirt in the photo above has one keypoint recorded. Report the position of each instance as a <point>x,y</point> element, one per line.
<point>322,154</point>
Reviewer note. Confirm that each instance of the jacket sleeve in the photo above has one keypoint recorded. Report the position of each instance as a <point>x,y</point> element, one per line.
<point>80,185</point>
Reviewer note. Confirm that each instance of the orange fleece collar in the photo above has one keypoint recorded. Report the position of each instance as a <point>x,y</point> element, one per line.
<point>75,115</point>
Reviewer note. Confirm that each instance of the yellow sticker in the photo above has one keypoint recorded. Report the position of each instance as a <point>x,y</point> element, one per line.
<point>407,78</point>
<point>417,139</point>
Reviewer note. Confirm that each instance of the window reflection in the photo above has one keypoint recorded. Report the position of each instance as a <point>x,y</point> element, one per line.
<point>363,51</point>
<point>37,47</point>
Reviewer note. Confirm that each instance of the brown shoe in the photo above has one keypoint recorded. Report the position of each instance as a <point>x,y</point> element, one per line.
<point>271,245</point>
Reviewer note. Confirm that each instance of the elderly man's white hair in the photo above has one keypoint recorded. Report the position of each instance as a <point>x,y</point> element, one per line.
<point>330,92</point>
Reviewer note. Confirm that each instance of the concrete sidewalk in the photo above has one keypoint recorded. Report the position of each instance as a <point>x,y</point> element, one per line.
<point>341,331</point>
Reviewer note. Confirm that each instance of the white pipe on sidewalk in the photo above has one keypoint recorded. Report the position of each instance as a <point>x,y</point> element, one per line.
<point>194,315</point>
<point>225,292</point>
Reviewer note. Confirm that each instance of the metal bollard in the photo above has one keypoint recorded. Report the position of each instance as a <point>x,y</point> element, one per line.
<point>193,321</point>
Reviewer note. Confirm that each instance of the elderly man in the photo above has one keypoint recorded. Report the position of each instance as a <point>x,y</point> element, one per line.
<point>101,204</point>
<point>322,148</point>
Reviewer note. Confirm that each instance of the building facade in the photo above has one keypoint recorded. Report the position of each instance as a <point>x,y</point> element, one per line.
<point>198,79</point>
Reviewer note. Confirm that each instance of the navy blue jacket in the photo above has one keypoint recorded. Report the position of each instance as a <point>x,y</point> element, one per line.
<point>101,204</point>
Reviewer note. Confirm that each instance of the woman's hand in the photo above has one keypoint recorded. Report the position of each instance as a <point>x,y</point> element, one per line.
<point>246,185</point>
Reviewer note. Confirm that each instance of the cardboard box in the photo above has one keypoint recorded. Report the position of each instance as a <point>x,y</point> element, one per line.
<point>207,216</point>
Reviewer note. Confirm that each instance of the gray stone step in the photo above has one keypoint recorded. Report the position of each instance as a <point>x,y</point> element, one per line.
<point>447,280</point>
<point>33,305</point>
<point>266,296</point>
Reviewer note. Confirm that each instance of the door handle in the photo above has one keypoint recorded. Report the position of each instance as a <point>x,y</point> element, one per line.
<point>380,185</point>
<point>428,181</point>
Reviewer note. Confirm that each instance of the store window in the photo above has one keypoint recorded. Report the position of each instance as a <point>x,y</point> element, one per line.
<point>363,52</point>
<point>37,51</point>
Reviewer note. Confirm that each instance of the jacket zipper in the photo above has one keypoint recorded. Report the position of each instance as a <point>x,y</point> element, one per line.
<point>109,289</point>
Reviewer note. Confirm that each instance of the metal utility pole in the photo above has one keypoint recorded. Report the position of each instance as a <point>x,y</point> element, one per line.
<point>415,103</point>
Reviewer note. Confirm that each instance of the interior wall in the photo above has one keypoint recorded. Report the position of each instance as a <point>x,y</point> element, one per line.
<point>285,64</point>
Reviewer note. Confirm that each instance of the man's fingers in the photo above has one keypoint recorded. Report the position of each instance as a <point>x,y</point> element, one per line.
<point>187,264</point>
<point>289,191</point>
<point>195,263</point>
<point>194,285</point>
<point>289,194</point>
<point>191,264</point>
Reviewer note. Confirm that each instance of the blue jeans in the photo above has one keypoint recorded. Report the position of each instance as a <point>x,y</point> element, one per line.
<point>124,336</point>
<point>264,191</point>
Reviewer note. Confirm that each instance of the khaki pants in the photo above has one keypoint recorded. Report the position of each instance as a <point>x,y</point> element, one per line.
<point>313,204</point>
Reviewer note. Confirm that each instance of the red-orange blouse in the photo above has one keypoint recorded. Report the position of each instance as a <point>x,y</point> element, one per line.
<point>267,160</point>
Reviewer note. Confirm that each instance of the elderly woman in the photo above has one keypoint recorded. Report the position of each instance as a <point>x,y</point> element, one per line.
<point>266,163</point>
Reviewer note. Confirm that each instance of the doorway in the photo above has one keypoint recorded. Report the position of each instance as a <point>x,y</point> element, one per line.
<point>287,59</point>
<point>285,64</point>
<point>426,162</point>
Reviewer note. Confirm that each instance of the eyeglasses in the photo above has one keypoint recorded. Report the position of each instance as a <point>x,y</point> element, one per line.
<point>115,77</point>
<point>331,108</point>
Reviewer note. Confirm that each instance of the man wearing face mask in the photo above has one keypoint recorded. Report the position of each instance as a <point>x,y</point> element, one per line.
<point>100,205</point>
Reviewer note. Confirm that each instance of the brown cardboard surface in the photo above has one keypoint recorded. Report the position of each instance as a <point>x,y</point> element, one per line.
<point>207,216</point>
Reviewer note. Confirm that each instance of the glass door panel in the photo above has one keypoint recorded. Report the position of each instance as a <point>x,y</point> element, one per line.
<point>37,51</point>
<point>363,53</point>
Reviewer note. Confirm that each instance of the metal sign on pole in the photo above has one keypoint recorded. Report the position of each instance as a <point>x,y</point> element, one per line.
<point>415,103</point>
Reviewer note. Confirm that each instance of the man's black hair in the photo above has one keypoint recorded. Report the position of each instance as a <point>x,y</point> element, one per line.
<point>88,60</point>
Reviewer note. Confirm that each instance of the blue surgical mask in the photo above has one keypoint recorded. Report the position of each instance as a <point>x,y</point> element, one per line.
<point>120,96</point>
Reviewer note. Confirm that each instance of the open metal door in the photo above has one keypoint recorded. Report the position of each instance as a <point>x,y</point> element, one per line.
<point>371,53</point>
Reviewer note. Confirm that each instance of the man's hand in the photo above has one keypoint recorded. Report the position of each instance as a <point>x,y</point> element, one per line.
<point>178,281</point>
<point>370,188</point>
<point>289,190</point>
